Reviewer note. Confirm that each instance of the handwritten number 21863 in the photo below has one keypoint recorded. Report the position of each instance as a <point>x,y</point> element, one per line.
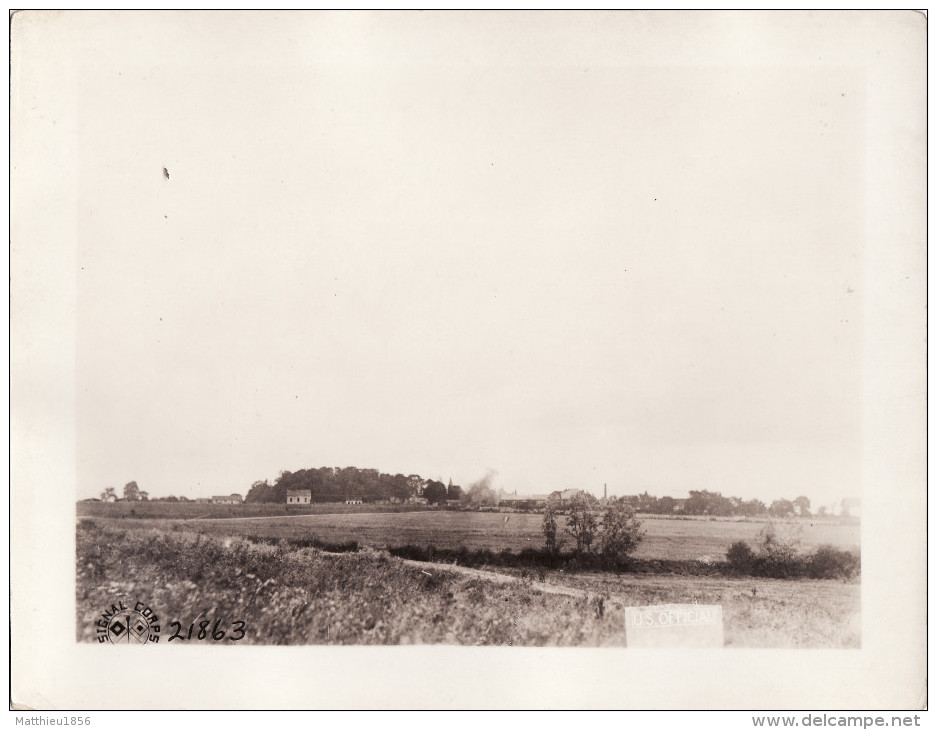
<point>203,633</point>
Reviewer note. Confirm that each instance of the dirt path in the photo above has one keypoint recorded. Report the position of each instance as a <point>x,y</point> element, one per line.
<point>429,568</point>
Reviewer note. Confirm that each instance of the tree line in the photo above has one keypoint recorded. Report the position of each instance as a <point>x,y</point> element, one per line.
<point>704,502</point>
<point>333,484</point>
<point>132,493</point>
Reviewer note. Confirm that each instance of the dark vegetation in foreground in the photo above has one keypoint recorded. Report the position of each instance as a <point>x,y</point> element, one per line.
<point>284,594</point>
<point>826,561</point>
<point>287,594</point>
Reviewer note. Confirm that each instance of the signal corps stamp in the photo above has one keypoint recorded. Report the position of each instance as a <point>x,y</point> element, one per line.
<point>120,624</point>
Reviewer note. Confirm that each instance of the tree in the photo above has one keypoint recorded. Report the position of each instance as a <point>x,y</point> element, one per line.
<point>108,494</point>
<point>707,503</point>
<point>581,520</point>
<point>131,492</point>
<point>402,487</point>
<point>435,492</point>
<point>621,531</point>
<point>646,503</point>
<point>802,505</point>
<point>752,508</point>
<point>549,525</point>
<point>260,491</point>
<point>781,508</point>
<point>665,505</point>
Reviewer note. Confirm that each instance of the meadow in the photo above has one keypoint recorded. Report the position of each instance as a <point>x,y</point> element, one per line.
<point>665,539</point>
<point>201,510</point>
<point>301,595</point>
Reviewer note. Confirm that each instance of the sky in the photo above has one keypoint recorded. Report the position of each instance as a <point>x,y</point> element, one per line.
<point>571,273</point>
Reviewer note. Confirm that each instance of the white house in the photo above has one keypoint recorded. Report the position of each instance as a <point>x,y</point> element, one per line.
<point>298,496</point>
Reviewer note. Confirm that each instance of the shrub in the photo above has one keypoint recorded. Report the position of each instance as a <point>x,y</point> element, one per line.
<point>828,561</point>
<point>741,557</point>
<point>777,554</point>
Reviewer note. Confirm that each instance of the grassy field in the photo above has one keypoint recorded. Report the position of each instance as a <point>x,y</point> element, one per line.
<point>666,539</point>
<point>193,510</point>
<point>304,596</point>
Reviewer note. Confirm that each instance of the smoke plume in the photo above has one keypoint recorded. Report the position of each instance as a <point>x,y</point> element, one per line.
<point>481,493</point>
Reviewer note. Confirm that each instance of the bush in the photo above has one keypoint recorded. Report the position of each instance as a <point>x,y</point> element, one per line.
<point>828,561</point>
<point>741,557</point>
<point>777,555</point>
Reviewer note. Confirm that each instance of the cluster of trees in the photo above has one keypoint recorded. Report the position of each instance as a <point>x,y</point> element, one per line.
<point>132,493</point>
<point>611,531</point>
<point>705,502</point>
<point>334,484</point>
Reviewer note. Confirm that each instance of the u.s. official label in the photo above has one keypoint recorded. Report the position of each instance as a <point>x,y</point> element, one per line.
<point>674,625</point>
<point>121,624</point>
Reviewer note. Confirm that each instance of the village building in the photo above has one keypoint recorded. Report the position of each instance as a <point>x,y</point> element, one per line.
<point>298,496</point>
<point>354,500</point>
<point>227,499</point>
<point>512,498</point>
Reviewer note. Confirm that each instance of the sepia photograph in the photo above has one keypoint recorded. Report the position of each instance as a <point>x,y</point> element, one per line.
<point>528,339</point>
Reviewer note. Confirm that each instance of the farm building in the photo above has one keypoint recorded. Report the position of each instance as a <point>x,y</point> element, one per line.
<point>298,496</point>
<point>354,500</point>
<point>513,498</point>
<point>227,499</point>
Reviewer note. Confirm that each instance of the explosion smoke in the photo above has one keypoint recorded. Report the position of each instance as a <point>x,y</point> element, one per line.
<point>481,493</point>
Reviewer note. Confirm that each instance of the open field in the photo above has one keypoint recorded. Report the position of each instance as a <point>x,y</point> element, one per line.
<point>666,539</point>
<point>194,510</point>
<point>305,596</point>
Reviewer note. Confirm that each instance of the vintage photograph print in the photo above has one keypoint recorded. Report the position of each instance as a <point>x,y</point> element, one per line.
<point>582,330</point>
